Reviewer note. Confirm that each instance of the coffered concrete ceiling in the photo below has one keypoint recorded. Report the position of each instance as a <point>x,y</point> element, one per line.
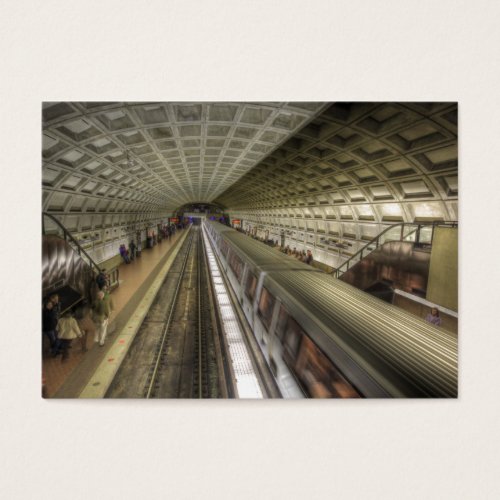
<point>136,157</point>
<point>111,163</point>
<point>361,162</point>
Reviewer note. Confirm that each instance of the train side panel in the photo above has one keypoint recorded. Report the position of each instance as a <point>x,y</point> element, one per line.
<point>331,339</point>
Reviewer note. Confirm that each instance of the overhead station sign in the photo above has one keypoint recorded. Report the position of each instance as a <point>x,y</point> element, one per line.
<point>174,220</point>
<point>236,222</point>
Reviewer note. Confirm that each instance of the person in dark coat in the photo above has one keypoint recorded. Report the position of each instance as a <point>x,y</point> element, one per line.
<point>132,249</point>
<point>309,258</point>
<point>56,303</point>
<point>101,279</point>
<point>49,326</point>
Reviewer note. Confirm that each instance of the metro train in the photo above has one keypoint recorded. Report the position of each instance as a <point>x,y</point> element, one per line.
<point>324,338</point>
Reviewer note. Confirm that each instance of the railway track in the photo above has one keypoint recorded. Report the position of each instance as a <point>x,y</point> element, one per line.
<point>175,353</point>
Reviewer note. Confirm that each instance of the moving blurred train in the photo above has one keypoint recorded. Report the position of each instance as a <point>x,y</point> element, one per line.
<point>324,338</point>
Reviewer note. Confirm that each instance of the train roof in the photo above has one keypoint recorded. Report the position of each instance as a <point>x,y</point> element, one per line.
<point>219,227</point>
<point>398,349</point>
<point>265,257</point>
<point>388,340</point>
<point>260,255</point>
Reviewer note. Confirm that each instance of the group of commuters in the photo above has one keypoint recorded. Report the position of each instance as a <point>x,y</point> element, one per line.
<point>130,254</point>
<point>307,257</point>
<point>134,250</point>
<point>164,232</point>
<point>60,329</point>
<point>76,323</point>
<point>168,231</point>
<point>267,241</point>
<point>302,255</point>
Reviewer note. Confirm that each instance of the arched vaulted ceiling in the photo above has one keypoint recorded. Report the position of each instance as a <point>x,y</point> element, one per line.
<point>359,162</point>
<point>153,157</point>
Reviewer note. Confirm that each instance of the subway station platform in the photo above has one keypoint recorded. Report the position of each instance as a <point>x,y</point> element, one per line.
<point>64,379</point>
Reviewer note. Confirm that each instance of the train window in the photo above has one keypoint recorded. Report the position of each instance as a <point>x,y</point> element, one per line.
<point>319,375</point>
<point>282,319</point>
<point>274,367</point>
<point>292,333</point>
<point>224,248</point>
<point>266,306</point>
<point>251,285</point>
<point>236,264</point>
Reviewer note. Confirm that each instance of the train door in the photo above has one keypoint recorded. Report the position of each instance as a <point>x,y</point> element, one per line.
<point>272,344</point>
<point>249,294</point>
<point>242,282</point>
<point>270,326</point>
<point>235,277</point>
<point>257,329</point>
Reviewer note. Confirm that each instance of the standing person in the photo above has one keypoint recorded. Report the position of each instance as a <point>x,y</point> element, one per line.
<point>139,248</point>
<point>68,330</point>
<point>124,254</point>
<point>49,326</point>
<point>102,312</point>
<point>100,319</point>
<point>101,279</point>
<point>132,249</point>
<point>110,307</point>
<point>433,317</point>
<point>56,303</point>
<point>87,326</point>
<point>309,258</point>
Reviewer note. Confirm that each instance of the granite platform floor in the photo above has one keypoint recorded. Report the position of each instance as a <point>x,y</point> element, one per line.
<point>132,276</point>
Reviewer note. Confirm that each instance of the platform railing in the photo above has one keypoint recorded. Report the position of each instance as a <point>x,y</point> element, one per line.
<point>421,234</point>
<point>66,235</point>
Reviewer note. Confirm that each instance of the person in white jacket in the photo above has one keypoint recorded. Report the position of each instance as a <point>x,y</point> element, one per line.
<point>68,330</point>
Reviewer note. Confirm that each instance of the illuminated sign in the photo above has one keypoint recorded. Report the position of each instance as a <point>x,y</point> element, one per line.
<point>174,220</point>
<point>236,221</point>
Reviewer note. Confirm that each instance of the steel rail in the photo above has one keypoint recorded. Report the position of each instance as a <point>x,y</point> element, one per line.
<point>169,320</point>
<point>200,386</point>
